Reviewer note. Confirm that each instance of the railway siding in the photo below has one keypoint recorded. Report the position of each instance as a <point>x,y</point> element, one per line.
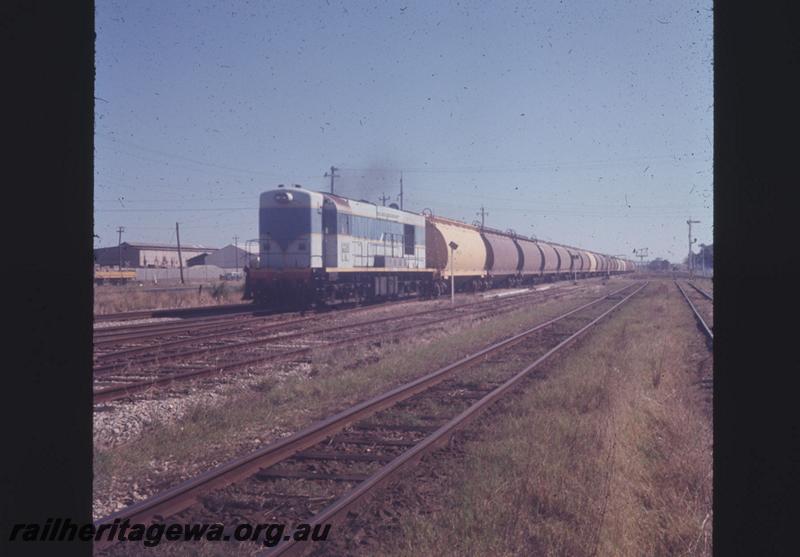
<point>170,363</point>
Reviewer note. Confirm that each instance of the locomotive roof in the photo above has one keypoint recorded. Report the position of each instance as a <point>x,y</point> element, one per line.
<point>380,211</point>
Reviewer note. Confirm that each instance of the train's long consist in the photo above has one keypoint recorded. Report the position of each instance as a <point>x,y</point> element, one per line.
<point>319,248</point>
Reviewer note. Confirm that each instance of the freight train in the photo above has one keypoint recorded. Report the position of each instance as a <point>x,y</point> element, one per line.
<point>320,248</point>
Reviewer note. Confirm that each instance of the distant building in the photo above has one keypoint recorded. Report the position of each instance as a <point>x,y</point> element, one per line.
<point>659,265</point>
<point>229,257</point>
<point>136,254</point>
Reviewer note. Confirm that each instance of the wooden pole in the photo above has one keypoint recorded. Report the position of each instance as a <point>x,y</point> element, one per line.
<point>180,259</point>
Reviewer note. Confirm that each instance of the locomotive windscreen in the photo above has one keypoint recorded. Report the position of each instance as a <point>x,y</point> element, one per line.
<point>284,224</point>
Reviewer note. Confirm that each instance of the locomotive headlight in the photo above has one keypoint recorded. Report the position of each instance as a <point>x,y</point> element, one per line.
<point>283,197</point>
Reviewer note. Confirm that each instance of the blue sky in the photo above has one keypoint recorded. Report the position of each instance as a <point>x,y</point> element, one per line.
<point>587,123</point>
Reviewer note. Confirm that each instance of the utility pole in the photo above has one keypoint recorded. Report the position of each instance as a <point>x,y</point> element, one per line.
<point>384,198</point>
<point>401,190</point>
<point>702,260</point>
<point>120,230</point>
<point>690,222</point>
<point>236,252</point>
<point>482,214</point>
<point>453,248</point>
<point>332,175</point>
<point>180,259</point>
<point>574,258</point>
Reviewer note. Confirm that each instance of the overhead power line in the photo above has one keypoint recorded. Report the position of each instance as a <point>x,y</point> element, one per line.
<point>534,166</point>
<point>183,158</point>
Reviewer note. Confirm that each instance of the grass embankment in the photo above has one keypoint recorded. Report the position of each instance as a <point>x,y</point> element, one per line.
<point>292,396</point>
<point>114,299</point>
<point>610,454</point>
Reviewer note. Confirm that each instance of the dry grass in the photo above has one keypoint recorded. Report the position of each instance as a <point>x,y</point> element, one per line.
<point>610,455</point>
<point>114,299</point>
<point>706,284</point>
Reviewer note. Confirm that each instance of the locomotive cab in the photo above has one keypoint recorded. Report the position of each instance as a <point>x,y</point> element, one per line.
<point>290,229</point>
<point>290,246</point>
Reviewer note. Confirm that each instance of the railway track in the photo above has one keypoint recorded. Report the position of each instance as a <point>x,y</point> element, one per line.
<point>123,373</point>
<point>195,311</point>
<point>186,332</point>
<point>701,304</point>
<point>182,328</point>
<point>129,336</point>
<point>320,473</point>
<point>197,315</point>
<point>702,292</point>
<point>104,343</point>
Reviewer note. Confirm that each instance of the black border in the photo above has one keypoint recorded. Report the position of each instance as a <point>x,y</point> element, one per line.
<point>757,64</point>
<point>48,85</point>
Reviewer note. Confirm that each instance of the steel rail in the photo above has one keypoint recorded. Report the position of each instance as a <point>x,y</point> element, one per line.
<point>186,493</point>
<point>176,328</point>
<point>708,332</point>
<point>705,294</point>
<point>113,335</point>
<point>123,316</point>
<point>178,313</point>
<point>110,334</point>
<point>104,367</point>
<point>120,391</point>
<point>338,510</point>
<point>220,329</point>
<point>173,312</point>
